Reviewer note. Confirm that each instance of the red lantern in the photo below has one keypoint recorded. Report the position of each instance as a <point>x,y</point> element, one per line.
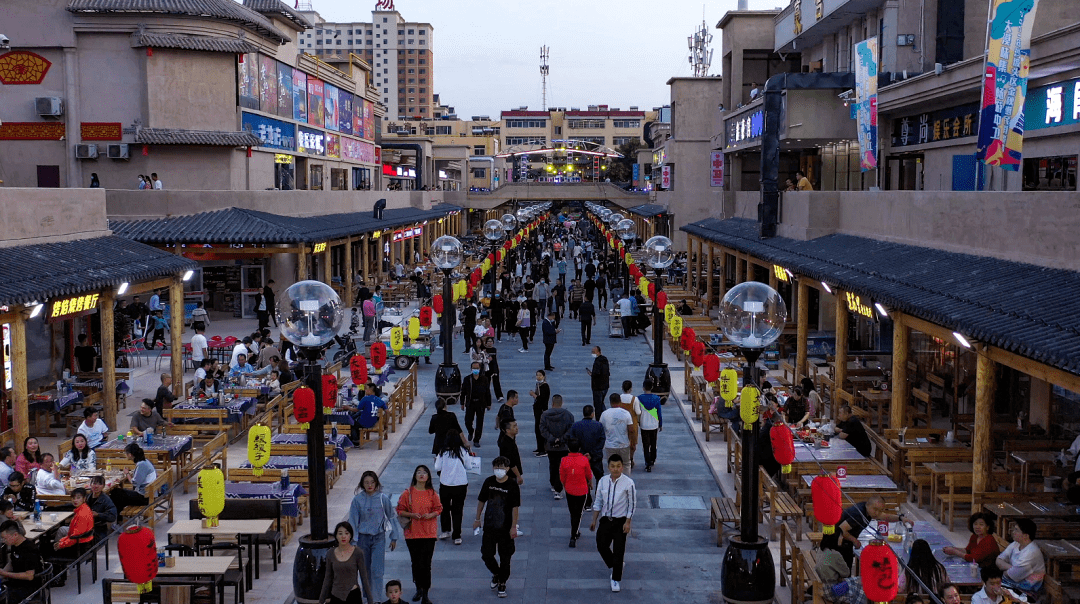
<point>698,348</point>
<point>652,290</point>
<point>688,338</point>
<point>783,446</point>
<point>661,300</point>
<point>711,367</point>
<point>828,505</point>
<point>437,303</point>
<point>491,258</point>
<point>358,369</point>
<point>138,556</point>
<point>303,405</point>
<point>469,292</point>
<point>329,391</point>
<point>378,355</point>
<point>880,572</point>
<point>696,359</point>
<point>507,246</point>
<point>425,316</point>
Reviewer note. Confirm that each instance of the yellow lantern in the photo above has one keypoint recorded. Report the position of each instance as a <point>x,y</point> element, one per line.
<point>258,447</point>
<point>414,328</point>
<point>643,286</point>
<point>729,386</point>
<point>211,494</point>
<point>628,259</point>
<point>669,312</point>
<point>675,326</point>
<point>397,339</point>
<point>487,264</point>
<point>749,401</point>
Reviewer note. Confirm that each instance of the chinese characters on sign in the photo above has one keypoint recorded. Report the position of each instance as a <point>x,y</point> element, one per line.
<point>409,233</point>
<point>781,273</point>
<point>866,101</point>
<point>319,248</point>
<point>745,128</point>
<point>72,307</point>
<point>716,167</point>
<point>1054,105</point>
<point>665,177</point>
<point>855,305</point>
<point>944,124</point>
<point>312,142</point>
<point>273,133</point>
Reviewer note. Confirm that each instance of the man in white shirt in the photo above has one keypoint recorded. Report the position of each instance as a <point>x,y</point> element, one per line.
<point>241,348</point>
<point>626,315</point>
<point>7,464</point>
<point>1022,562</point>
<point>614,505</point>
<point>157,182</point>
<point>46,481</point>
<point>93,428</point>
<point>155,302</point>
<point>617,422</point>
<point>991,593</point>
<point>199,346</point>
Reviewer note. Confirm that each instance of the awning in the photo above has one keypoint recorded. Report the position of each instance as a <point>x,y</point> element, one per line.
<point>647,210</point>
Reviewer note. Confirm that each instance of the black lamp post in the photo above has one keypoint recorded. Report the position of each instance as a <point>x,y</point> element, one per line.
<point>310,315</point>
<point>446,254</point>
<point>660,253</point>
<point>752,315</point>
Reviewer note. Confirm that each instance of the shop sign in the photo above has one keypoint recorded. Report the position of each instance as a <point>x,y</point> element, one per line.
<point>665,177</point>
<point>716,163</point>
<point>319,248</point>
<point>1053,105</point>
<point>333,146</point>
<point>659,156</point>
<point>933,126</point>
<point>273,133</point>
<point>378,154</point>
<point>282,158</point>
<point>356,150</point>
<point>746,128</point>
<point>856,305</point>
<point>68,308</point>
<point>781,273</point>
<point>637,174</point>
<point>409,233</point>
<point>312,142</point>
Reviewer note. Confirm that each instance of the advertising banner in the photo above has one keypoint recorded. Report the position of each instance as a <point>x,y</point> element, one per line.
<point>312,142</point>
<point>1049,106</point>
<point>285,91</point>
<point>299,96</point>
<point>345,112</point>
<point>665,177</point>
<point>315,102</point>
<point>249,81</point>
<point>1005,76</point>
<point>716,166</point>
<point>330,102</point>
<point>357,151</point>
<point>637,173</point>
<point>268,84</point>
<point>275,134</point>
<point>866,71</point>
<point>333,145</point>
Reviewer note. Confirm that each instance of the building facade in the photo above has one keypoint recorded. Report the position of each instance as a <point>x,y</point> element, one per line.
<point>399,51</point>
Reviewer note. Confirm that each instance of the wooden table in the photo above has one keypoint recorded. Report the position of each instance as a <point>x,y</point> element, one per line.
<point>1058,552</point>
<point>957,569</point>
<point>197,566</point>
<point>880,400</point>
<point>915,452</point>
<point>1043,459</point>
<point>50,521</point>
<point>939,470</point>
<point>1009,511</point>
<point>239,529</point>
<point>166,451</point>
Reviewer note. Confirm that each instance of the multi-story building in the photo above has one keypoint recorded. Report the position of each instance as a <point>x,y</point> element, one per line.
<point>399,51</point>
<point>466,147</point>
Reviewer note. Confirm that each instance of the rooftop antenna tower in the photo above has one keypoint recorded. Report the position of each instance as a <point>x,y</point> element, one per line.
<point>700,55</point>
<point>544,69</point>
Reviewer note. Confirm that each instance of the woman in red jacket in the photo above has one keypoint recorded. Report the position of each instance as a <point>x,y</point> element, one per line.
<point>982,548</point>
<point>420,506</point>
<point>577,479</point>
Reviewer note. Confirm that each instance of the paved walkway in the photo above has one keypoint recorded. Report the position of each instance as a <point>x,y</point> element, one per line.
<point>671,553</point>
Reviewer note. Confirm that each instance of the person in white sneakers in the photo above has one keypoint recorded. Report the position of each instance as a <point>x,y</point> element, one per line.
<point>613,506</point>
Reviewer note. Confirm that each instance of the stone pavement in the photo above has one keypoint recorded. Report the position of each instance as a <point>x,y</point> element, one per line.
<point>671,553</point>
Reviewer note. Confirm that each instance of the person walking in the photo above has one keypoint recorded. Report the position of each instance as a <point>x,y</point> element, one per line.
<point>498,505</point>
<point>418,507</point>
<point>617,422</point>
<point>600,378</point>
<point>555,425</point>
<point>551,336</point>
<point>626,401</point>
<point>453,485</point>
<point>626,315</point>
<point>524,321</point>
<point>587,316</point>
<point>344,563</point>
<point>590,436</point>
<point>540,395</point>
<point>614,505</point>
<point>577,295</point>
<point>475,400</point>
<point>468,323</point>
<point>650,421</point>
<point>576,474</point>
<point>508,431</point>
<point>558,292</point>
<point>369,513</point>
<point>442,422</point>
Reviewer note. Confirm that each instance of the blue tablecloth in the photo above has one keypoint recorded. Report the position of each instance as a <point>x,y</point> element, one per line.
<point>287,462</point>
<point>121,386</point>
<point>175,445</point>
<point>268,490</point>
<point>237,408</point>
<point>341,416</point>
<point>56,402</point>
<point>343,443</point>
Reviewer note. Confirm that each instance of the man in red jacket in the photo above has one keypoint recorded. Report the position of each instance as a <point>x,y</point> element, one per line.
<point>577,479</point>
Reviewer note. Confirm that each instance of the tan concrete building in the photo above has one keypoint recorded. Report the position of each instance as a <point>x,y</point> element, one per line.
<point>400,52</point>
<point>466,148</point>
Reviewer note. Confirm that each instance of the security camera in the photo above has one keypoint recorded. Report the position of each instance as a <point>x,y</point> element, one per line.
<point>5,42</point>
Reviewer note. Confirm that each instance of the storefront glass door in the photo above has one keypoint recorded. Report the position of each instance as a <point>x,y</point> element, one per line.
<point>251,284</point>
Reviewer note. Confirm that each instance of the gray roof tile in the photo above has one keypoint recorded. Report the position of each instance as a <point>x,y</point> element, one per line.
<point>172,136</point>
<point>277,7</point>
<point>223,10</point>
<point>203,43</point>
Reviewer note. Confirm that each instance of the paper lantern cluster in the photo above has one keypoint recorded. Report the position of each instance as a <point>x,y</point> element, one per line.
<point>211,494</point>
<point>138,556</point>
<point>258,448</point>
<point>304,406</point>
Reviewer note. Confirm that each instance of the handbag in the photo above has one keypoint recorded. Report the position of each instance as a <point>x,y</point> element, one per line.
<point>473,464</point>
<point>402,520</point>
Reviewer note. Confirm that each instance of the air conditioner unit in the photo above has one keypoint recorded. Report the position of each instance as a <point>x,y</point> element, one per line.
<point>86,151</point>
<point>118,151</point>
<point>49,106</point>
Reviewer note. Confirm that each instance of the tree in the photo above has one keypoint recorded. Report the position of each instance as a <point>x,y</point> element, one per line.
<point>622,170</point>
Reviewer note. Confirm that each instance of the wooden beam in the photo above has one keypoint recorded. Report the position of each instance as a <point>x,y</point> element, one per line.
<point>983,439</point>
<point>803,332</point>
<point>901,337</point>
<point>142,288</point>
<point>20,390</point>
<point>348,272</point>
<point>327,260</point>
<point>1034,368</point>
<point>301,265</point>
<point>841,357</point>
<point>108,357</point>
<point>256,251</point>
<point>930,329</point>
<point>709,280</point>
<point>176,332</point>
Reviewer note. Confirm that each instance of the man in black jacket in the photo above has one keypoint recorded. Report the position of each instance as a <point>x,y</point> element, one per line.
<point>540,405</point>
<point>468,323</point>
<point>601,375</point>
<point>551,333</point>
<point>555,425</point>
<point>587,316</point>
<point>475,400</point>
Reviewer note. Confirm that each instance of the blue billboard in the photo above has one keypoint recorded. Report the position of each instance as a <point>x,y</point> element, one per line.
<point>275,134</point>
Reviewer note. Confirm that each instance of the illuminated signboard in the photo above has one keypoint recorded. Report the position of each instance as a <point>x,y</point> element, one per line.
<point>68,308</point>
<point>281,158</point>
<point>745,128</point>
<point>319,248</point>
<point>312,142</point>
<point>409,233</point>
<point>1053,105</point>
<point>781,273</point>
<point>856,305</point>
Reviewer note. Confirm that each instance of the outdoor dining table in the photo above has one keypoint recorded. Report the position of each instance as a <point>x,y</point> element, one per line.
<point>175,450</point>
<point>1009,511</point>
<point>237,407</point>
<point>287,462</point>
<point>879,401</point>
<point>938,471</point>
<point>50,521</point>
<point>1058,552</point>
<point>1047,460</point>
<point>859,482</point>
<point>959,571</point>
<point>808,456</point>
<point>289,496</point>
<point>197,566</point>
<point>293,440</point>
<point>917,451</point>
<point>244,531</point>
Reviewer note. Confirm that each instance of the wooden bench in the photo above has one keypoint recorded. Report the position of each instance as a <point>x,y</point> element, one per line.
<point>781,505</point>
<point>214,452</point>
<point>722,511</point>
<point>199,424</point>
<point>380,429</point>
<point>887,455</point>
<point>789,559</point>
<point>160,493</point>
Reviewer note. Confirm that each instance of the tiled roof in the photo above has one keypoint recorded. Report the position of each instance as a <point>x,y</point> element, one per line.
<point>277,7</point>
<point>239,225</point>
<point>204,43</point>
<point>1029,310</point>
<point>223,10</point>
<point>647,210</point>
<point>171,136</point>
<point>37,272</point>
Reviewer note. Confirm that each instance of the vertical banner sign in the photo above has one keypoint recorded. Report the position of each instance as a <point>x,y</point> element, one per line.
<point>866,71</point>
<point>637,174</point>
<point>1008,54</point>
<point>665,177</point>
<point>716,166</point>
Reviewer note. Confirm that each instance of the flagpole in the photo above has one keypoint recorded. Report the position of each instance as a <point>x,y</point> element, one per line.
<point>980,164</point>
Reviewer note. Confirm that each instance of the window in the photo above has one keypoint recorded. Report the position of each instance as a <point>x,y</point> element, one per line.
<point>377,35</point>
<point>411,31</point>
<point>309,35</point>
<point>423,80</point>
<point>526,140</point>
<point>350,32</point>
<point>526,123</point>
<point>627,123</point>
<point>368,32</point>
<point>423,32</point>
<point>319,42</point>
<point>479,172</point>
<point>412,80</point>
<point>1050,173</point>
<point>339,51</point>
<point>401,32</point>
<point>598,140</point>
<point>479,150</point>
<point>412,99</point>
<point>444,130</point>
<point>412,61</point>
<point>423,61</point>
<point>412,90</point>
<point>316,178</point>
<point>423,90</point>
<point>339,42</point>
<point>423,109</point>
<point>423,71</point>
<point>585,124</point>
<point>412,51</point>
<point>384,19</point>
<point>421,41</point>
<point>337,32</point>
<point>385,71</point>
<point>412,71</point>
<point>339,179</point>
<point>619,141</point>
<point>386,91</point>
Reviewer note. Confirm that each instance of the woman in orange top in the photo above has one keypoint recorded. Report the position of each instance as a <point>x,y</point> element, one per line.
<point>577,478</point>
<point>420,505</point>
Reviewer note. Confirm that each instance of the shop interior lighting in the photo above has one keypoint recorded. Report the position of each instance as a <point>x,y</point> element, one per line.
<point>122,289</point>
<point>960,338</point>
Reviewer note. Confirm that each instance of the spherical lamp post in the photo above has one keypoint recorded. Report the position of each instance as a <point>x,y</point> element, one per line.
<point>659,254</point>
<point>752,315</point>
<point>310,314</point>
<point>493,232</point>
<point>624,230</point>
<point>510,223</point>
<point>446,254</point>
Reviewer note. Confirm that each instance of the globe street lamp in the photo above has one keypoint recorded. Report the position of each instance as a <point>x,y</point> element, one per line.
<point>659,254</point>
<point>752,315</point>
<point>493,232</point>
<point>624,230</point>
<point>446,254</point>
<point>310,314</point>
<point>510,223</point>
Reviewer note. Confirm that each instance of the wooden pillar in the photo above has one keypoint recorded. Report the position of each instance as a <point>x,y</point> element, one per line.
<point>328,271</point>
<point>302,263</point>
<point>841,358</point>
<point>773,281</point>
<point>20,392</point>
<point>898,408</point>
<point>983,439</point>
<point>709,280</point>
<point>108,356</point>
<point>348,271</point>
<point>721,284</point>
<point>740,269</point>
<point>176,333</point>
<point>365,241</point>
<point>803,330</point>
